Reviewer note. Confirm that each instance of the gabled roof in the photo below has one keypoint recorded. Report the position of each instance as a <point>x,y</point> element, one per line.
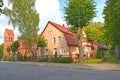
<point>70,38</point>
<point>9,32</point>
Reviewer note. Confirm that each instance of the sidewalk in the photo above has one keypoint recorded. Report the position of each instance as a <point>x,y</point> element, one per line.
<point>104,66</point>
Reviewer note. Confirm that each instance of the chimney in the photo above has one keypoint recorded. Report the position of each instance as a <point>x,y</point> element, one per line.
<point>63,25</point>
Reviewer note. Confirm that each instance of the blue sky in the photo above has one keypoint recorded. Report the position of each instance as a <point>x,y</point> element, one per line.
<point>48,10</point>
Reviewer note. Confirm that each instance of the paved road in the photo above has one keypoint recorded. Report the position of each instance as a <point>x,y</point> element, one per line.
<point>17,71</point>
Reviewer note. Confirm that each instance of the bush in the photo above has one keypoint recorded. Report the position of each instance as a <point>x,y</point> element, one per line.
<point>5,58</point>
<point>62,60</point>
<point>43,59</point>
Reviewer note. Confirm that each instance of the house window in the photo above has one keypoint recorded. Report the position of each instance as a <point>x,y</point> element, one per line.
<point>46,52</point>
<point>46,42</point>
<point>89,50</point>
<point>62,50</point>
<point>54,40</point>
<point>9,39</point>
<point>59,39</point>
<point>54,50</point>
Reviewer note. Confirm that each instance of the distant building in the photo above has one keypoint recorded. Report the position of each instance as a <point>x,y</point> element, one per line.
<point>8,40</point>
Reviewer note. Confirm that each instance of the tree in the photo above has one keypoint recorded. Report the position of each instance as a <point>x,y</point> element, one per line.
<point>14,46</point>
<point>1,5</point>
<point>24,16</point>
<point>8,50</point>
<point>1,50</point>
<point>112,21</point>
<point>41,43</point>
<point>96,31</point>
<point>78,14</point>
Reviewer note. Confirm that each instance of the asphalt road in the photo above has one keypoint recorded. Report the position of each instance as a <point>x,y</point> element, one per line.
<point>17,71</point>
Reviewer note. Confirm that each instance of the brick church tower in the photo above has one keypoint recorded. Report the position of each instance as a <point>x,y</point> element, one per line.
<point>8,40</point>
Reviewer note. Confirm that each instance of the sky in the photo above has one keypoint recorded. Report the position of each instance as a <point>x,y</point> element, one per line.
<point>49,10</point>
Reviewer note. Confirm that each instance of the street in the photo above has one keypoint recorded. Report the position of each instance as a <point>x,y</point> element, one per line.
<point>17,71</point>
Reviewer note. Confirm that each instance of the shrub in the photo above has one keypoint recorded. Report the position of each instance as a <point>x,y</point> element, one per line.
<point>43,59</point>
<point>62,60</point>
<point>65,60</point>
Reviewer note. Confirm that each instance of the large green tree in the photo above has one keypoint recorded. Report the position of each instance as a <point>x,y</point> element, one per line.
<point>1,5</point>
<point>112,21</point>
<point>24,16</point>
<point>96,31</point>
<point>79,13</point>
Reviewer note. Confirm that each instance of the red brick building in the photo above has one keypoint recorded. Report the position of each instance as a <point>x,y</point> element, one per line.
<point>8,40</point>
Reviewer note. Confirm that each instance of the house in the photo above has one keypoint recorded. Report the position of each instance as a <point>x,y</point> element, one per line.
<point>8,40</point>
<point>61,41</point>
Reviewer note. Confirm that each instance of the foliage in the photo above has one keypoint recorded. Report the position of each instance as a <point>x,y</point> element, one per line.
<point>112,21</point>
<point>57,59</point>
<point>41,42</point>
<point>62,60</point>
<point>95,31</point>
<point>14,46</point>
<point>1,5</point>
<point>78,14</point>
<point>24,16</point>
<point>65,60</point>
<point>8,49</point>
<point>110,57</point>
<point>99,54</point>
<point>90,60</point>
<point>1,50</point>
<point>44,60</point>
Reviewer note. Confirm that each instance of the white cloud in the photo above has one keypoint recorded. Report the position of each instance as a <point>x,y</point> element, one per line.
<point>47,9</point>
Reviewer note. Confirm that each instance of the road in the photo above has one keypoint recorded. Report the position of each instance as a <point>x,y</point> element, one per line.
<point>17,71</point>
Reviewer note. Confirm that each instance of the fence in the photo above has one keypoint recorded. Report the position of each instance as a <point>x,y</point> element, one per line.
<point>112,55</point>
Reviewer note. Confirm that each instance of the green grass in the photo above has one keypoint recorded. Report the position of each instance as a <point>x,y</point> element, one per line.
<point>90,60</point>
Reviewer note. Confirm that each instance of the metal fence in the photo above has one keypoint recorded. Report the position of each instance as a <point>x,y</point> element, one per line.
<point>112,55</point>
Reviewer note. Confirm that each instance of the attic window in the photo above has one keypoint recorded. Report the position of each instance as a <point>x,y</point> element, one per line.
<point>50,32</point>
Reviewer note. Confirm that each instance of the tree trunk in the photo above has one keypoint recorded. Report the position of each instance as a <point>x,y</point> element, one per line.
<point>80,47</point>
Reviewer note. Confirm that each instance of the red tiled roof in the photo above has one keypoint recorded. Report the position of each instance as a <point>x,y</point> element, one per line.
<point>71,39</point>
<point>98,44</point>
<point>10,32</point>
<point>62,28</point>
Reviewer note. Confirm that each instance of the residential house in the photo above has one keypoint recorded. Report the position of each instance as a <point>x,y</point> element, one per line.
<point>61,41</point>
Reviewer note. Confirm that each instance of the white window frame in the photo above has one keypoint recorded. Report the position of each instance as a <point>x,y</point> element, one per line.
<point>54,51</point>
<point>46,52</point>
<point>62,50</point>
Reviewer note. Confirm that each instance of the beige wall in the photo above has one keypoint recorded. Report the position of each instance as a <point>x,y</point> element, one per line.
<point>49,33</point>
